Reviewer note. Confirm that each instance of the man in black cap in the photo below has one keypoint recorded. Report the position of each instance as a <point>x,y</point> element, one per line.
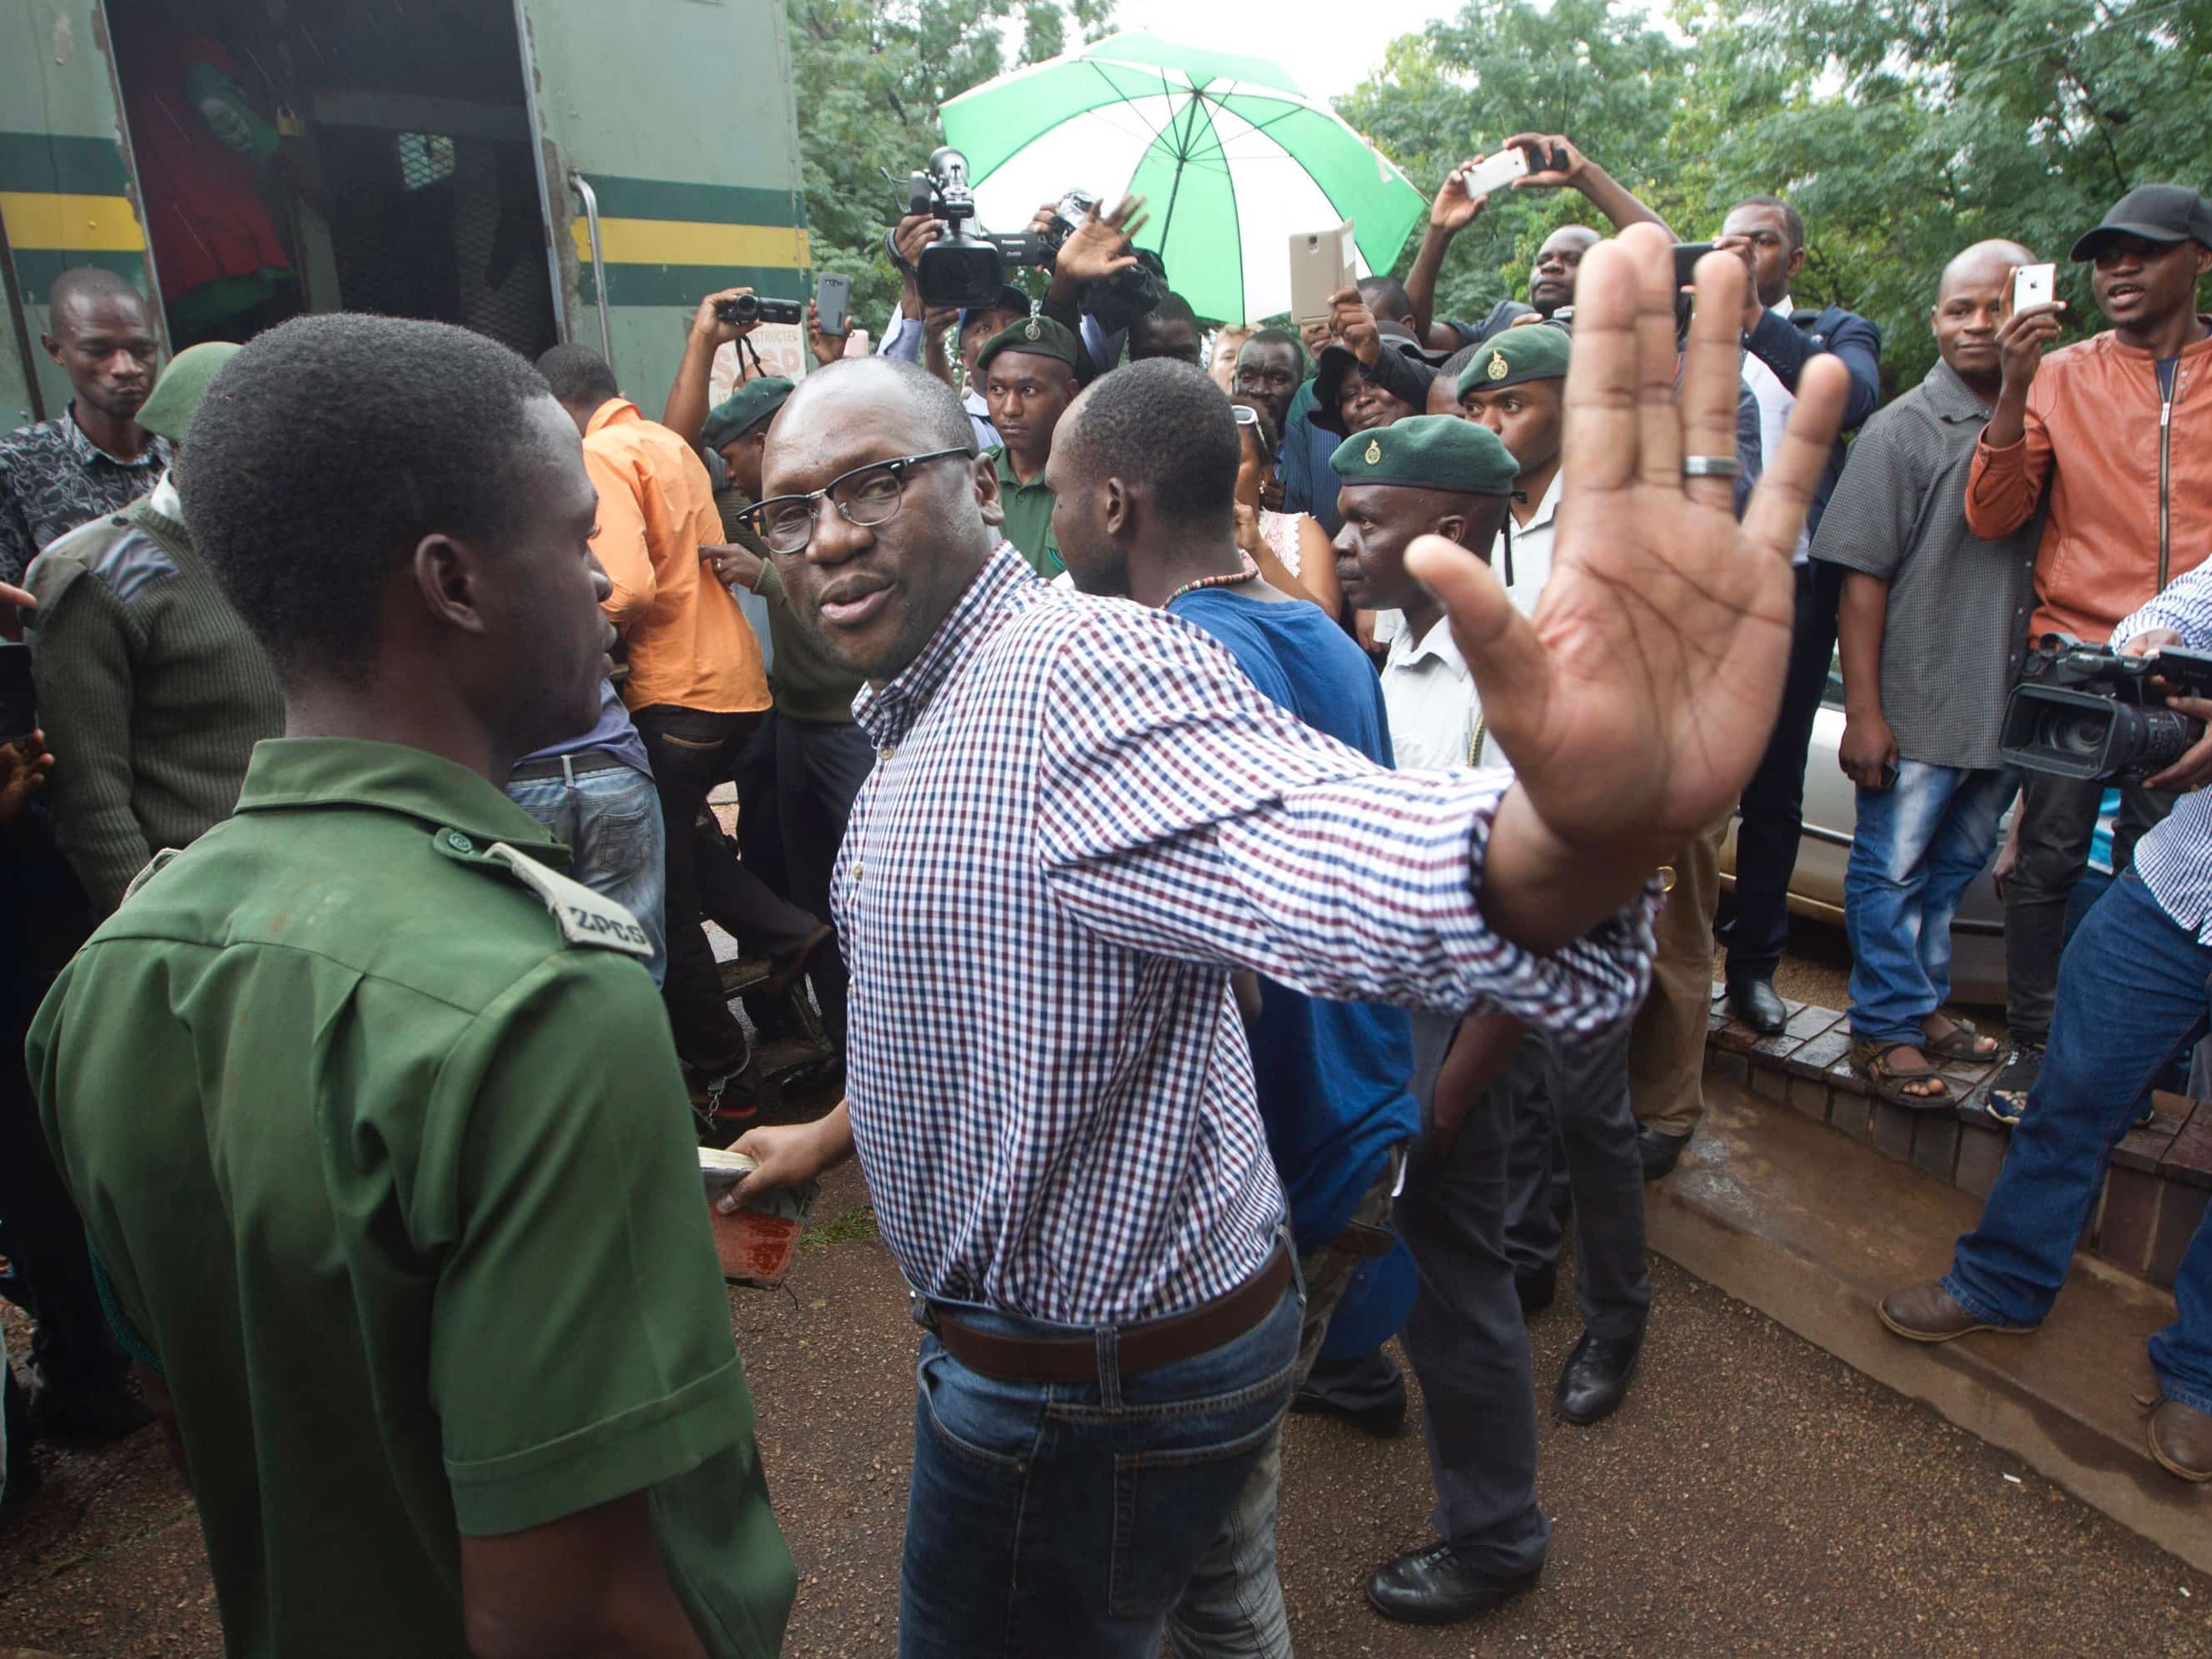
<point>2101,432</point>
<point>1029,380</point>
<point>1168,329</point>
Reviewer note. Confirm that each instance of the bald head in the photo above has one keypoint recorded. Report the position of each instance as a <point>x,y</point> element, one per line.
<point>1983,263</point>
<point>1552,280</point>
<point>1971,302</point>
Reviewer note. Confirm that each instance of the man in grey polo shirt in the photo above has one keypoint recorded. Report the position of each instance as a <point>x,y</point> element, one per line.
<point>1932,627</point>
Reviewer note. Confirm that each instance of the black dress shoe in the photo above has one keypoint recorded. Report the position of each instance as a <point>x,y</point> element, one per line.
<point>1660,1152</point>
<point>1752,998</point>
<point>1385,1422</point>
<point>1537,1289</point>
<point>1434,1587</point>
<point>1594,1380</point>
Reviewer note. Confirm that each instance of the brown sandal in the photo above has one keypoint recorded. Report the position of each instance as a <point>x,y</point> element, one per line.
<point>1957,1043</point>
<point>1871,1061</point>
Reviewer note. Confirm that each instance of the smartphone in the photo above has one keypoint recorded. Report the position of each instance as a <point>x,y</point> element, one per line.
<point>1322,263</point>
<point>832,294</point>
<point>1686,255</point>
<point>2034,285</point>
<point>1495,171</point>
<point>19,713</point>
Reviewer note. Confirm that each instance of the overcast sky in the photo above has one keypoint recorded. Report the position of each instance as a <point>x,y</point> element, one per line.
<point>1329,48</point>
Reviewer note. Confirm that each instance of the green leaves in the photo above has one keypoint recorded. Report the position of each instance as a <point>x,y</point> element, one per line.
<point>1904,130</point>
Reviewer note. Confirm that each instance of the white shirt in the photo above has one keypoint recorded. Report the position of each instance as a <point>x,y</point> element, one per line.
<point>1428,694</point>
<point>1775,401</point>
<point>1531,545</point>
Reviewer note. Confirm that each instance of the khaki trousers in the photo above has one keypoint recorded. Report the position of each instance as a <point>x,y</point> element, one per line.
<point>1667,1050</point>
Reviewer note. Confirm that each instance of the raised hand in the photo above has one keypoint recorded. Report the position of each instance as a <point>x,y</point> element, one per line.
<point>1541,174</point>
<point>1453,210</point>
<point>1351,322</point>
<point>706,325</point>
<point>2022,338</point>
<point>1637,701</point>
<point>827,348</point>
<point>1101,246</point>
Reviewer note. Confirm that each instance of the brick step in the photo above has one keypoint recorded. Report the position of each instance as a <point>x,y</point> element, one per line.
<point>2154,1198</point>
<point>1812,1228</point>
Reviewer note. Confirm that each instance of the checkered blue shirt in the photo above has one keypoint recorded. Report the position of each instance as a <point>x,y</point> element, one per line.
<point>2175,858</point>
<point>1082,815</point>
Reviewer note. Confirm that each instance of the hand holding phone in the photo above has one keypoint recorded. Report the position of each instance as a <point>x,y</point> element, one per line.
<point>833,296</point>
<point>2034,285</point>
<point>1321,264</point>
<point>1495,171</point>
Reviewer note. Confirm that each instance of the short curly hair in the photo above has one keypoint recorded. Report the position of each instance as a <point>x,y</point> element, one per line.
<point>327,449</point>
<point>1163,423</point>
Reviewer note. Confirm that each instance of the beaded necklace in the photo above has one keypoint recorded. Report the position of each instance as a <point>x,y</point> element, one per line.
<point>1226,579</point>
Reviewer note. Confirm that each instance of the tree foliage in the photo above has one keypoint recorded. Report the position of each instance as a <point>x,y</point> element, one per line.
<point>869,76</point>
<point>1903,130</point>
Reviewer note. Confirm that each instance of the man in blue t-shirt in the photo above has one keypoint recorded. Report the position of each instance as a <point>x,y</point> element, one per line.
<point>1136,517</point>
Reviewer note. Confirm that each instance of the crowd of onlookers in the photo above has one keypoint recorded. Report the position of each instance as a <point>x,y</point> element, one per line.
<point>1224,981</point>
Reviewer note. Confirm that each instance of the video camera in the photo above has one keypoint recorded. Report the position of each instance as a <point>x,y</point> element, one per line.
<point>2086,711</point>
<point>966,266</point>
<point>752,308</point>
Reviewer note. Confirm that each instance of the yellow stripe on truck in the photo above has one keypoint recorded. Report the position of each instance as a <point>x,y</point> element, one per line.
<point>89,224</point>
<point>689,242</point>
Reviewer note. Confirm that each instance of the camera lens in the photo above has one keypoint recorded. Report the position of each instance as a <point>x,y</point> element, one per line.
<point>2076,733</point>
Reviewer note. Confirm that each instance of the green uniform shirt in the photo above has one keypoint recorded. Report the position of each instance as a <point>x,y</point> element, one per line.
<point>807,682</point>
<point>1029,517</point>
<point>386,1158</point>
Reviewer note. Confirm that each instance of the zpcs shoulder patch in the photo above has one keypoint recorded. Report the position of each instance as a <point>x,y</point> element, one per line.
<point>586,917</point>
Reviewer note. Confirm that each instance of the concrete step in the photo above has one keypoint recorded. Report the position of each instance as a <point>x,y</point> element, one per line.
<point>1812,1229</point>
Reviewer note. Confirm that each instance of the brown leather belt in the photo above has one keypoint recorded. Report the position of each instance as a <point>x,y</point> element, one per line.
<point>1143,1347</point>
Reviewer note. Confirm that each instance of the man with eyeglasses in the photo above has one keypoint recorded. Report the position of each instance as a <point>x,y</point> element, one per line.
<point>1083,817</point>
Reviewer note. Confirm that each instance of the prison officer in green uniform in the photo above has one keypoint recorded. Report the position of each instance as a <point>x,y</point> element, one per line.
<point>1029,380</point>
<point>372,1113</point>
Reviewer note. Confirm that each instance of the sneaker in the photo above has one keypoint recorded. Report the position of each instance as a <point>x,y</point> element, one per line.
<point>2007,1092</point>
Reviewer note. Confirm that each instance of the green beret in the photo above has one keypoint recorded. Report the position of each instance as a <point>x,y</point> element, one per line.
<point>743,410</point>
<point>1536,351</point>
<point>1429,451</point>
<point>168,408</point>
<point>1040,337</point>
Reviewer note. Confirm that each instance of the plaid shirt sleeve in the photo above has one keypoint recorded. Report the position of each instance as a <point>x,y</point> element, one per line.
<point>2184,605</point>
<point>1197,825</point>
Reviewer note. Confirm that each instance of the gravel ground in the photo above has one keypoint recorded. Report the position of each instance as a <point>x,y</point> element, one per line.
<point>1754,1497</point>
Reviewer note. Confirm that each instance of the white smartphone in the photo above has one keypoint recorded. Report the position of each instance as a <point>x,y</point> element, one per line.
<point>1495,172</point>
<point>2034,285</point>
<point>1321,262</point>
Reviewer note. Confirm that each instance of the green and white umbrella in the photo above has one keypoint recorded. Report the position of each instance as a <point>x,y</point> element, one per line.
<point>1232,158</point>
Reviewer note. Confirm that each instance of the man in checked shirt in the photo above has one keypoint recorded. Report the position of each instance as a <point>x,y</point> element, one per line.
<point>1083,818</point>
<point>2131,996</point>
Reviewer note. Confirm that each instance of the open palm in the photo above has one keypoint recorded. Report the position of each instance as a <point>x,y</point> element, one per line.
<point>1637,700</point>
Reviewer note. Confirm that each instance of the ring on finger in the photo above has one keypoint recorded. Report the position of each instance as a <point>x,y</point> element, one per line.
<point>1712,466</point>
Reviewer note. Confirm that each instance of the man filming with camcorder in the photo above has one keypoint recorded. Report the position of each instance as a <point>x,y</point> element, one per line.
<point>2130,999</point>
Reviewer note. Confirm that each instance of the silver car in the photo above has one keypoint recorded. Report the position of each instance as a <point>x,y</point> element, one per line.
<point>1816,890</point>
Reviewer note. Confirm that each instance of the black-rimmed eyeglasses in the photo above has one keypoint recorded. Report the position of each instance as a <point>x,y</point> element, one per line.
<point>867,496</point>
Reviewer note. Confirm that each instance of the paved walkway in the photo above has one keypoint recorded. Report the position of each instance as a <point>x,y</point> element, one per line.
<point>1754,1497</point>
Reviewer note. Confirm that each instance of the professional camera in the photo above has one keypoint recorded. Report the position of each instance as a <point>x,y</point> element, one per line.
<point>2085,711</point>
<point>966,266</point>
<point>752,308</point>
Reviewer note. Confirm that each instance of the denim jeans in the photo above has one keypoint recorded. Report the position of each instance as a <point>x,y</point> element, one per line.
<point>2057,821</point>
<point>1233,1605</point>
<point>1918,846</point>
<point>1065,1519</point>
<point>2133,994</point>
<point>611,821</point>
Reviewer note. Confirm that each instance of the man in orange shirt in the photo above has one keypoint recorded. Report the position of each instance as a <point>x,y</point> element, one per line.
<point>696,688</point>
<point>2112,438</point>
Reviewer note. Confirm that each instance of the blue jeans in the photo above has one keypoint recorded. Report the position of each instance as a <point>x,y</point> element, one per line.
<point>611,821</point>
<point>1918,846</point>
<point>1065,1519</point>
<point>2133,993</point>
